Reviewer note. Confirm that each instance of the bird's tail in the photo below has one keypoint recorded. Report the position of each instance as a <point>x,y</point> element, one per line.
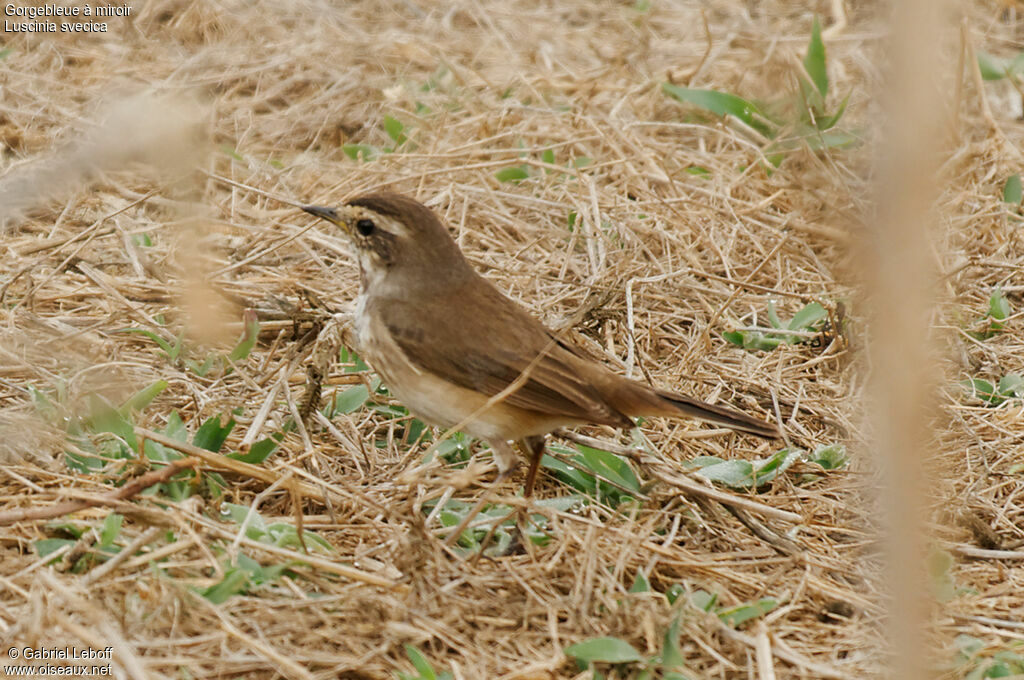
<point>719,415</point>
<point>637,399</point>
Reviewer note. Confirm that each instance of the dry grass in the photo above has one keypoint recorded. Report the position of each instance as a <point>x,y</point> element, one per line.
<point>265,95</point>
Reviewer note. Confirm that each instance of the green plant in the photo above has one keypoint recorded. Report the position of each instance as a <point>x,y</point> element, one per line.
<point>105,547</point>
<point>805,326</point>
<point>974,662</point>
<point>1010,386</point>
<point>732,616</point>
<point>517,173</point>
<point>994,68</point>
<point>814,125</point>
<point>424,671</point>
<point>1012,191</point>
<point>744,474</point>
<point>245,573</point>
<point>601,475</point>
<point>395,129</point>
<point>499,521</point>
<point>178,354</point>
<point>668,664</point>
<point>280,534</point>
<point>241,577</point>
<point>998,310</point>
<point>105,435</point>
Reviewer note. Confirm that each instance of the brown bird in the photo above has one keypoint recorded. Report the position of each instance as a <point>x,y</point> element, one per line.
<point>457,352</point>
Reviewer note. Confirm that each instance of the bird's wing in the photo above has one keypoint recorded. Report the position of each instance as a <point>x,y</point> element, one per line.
<point>486,341</point>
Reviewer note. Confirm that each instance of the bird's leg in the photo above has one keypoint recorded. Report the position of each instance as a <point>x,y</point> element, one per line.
<point>534,448</point>
<point>505,458</point>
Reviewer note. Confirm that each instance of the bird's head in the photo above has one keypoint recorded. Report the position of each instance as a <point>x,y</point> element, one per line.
<point>397,239</point>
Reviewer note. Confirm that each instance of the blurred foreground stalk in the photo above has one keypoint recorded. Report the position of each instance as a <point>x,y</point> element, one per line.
<point>899,273</point>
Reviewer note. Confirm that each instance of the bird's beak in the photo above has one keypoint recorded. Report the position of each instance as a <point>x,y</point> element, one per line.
<point>329,214</point>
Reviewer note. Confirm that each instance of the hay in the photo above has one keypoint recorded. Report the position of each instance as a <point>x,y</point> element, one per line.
<point>659,263</point>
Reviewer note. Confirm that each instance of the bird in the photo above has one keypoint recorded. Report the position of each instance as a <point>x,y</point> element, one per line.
<point>457,352</point>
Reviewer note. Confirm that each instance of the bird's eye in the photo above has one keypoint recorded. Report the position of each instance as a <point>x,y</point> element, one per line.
<point>365,227</point>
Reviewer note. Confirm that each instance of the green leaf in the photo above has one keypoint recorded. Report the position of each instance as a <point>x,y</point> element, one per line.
<point>201,369</point>
<point>1012,190</point>
<point>420,663</point>
<point>581,162</point>
<point>105,418</point>
<point>175,428</point>
<point>773,315</point>
<point>515,173</point>
<point>968,645</point>
<point>831,139</point>
<point>395,130</point>
<point>697,171</point>
<point>982,389</point>
<point>827,122</point>
<point>734,616</point>
<point>753,340</point>
<point>744,474</point>
<point>211,434</point>
<point>1011,385</point>
<point>721,104</point>
<point>143,397</point>
<point>814,61</point>
<point>640,584</point>
<point>774,465</point>
<point>352,362</point>
<point>735,337</point>
<point>364,152</point>
<point>604,649</point>
<point>169,350</point>
<point>998,305</point>
<point>6,52</point>
<point>548,156</point>
<point>44,406</point>
<point>455,449</point>
<point>703,600</point>
<point>940,565</point>
<point>671,653</point>
<point>350,400</point>
<point>610,466</point>
<point>111,529</point>
<point>235,581</point>
<point>230,151</point>
<point>250,333</point>
<point>568,474</point>
<point>991,68</point>
<point>256,529</point>
<point>808,317</point>
<point>47,546</point>
<point>830,457</point>
<point>735,473</point>
<point>259,451</point>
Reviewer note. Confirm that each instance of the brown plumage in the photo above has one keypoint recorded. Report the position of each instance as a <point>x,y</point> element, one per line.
<point>445,341</point>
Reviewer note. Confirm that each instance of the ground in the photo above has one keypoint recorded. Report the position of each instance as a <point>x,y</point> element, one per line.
<point>156,275</point>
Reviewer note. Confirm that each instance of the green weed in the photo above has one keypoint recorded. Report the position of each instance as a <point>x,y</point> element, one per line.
<point>813,125</point>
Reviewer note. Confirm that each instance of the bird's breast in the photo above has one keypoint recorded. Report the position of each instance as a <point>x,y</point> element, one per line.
<point>434,399</point>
